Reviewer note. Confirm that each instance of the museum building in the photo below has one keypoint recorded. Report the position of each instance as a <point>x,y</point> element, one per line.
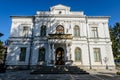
<point>60,37</point>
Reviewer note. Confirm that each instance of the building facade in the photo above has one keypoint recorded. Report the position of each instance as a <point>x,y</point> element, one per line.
<point>60,37</point>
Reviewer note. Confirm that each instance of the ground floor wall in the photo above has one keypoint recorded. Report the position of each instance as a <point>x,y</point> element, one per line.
<point>86,55</point>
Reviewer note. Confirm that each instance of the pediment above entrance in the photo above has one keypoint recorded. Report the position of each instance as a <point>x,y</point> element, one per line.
<point>60,7</point>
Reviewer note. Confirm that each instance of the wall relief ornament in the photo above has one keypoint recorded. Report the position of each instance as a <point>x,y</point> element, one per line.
<point>93,24</point>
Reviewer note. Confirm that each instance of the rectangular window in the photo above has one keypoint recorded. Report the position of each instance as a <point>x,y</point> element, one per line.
<point>22,54</point>
<point>25,31</point>
<point>97,54</point>
<point>94,32</point>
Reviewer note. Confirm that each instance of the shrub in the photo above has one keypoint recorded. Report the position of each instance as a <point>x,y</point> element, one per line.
<point>118,73</point>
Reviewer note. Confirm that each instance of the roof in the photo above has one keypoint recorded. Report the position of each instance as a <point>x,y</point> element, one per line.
<point>59,6</point>
<point>21,16</point>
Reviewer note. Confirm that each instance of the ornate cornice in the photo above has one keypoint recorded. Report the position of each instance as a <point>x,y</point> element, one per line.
<point>22,16</point>
<point>61,16</point>
<point>22,22</point>
<point>60,36</point>
<point>98,16</point>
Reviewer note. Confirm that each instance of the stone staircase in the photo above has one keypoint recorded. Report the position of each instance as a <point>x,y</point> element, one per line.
<point>58,70</point>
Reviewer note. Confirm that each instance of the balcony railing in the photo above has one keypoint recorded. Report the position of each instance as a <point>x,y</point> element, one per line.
<point>60,36</point>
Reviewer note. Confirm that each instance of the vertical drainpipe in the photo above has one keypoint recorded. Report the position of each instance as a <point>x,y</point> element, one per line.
<point>31,44</point>
<point>88,43</point>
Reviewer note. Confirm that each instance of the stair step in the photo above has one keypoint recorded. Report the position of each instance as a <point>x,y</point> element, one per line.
<point>58,70</point>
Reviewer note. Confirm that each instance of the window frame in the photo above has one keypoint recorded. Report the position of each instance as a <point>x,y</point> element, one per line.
<point>97,54</point>
<point>78,54</point>
<point>76,31</point>
<point>59,29</point>
<point>94,31</point>
<point>43,31</point>
<point>39,54</point>
<point>22,55</point>
<point>25,31</point>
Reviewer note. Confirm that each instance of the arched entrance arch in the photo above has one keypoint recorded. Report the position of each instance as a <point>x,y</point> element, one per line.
<point>59,56</point>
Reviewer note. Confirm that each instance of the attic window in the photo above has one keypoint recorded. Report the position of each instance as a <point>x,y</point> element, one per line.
<point>60,12</point>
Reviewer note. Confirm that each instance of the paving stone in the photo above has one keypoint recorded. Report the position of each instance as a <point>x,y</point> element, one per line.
<point>25,75</point>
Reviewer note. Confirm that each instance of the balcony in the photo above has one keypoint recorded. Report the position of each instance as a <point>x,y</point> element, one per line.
<point>60,36</point>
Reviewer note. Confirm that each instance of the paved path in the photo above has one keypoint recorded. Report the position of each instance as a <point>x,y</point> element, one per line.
<point>25,75</point>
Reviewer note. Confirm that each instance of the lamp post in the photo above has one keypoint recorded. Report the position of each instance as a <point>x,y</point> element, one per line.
<point>106,60</point>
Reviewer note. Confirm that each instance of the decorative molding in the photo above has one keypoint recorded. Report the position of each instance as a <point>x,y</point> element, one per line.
<point>60,36</point>
<point>22,22</point>
<point>93,24</point>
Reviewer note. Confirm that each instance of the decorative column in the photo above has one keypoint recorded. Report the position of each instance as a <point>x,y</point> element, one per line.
<point>70,55</point>
<point>53,55</point>
<point>67,51</point>
<point>49,55</point>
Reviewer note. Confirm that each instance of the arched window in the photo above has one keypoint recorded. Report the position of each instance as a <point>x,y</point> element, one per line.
<point>22,53</point>
<point>41,54</point>
<point>76,31</point>
<point>43,30</point>
<point>77,54</point>
<point>60,29</point>
<point>97,57</point>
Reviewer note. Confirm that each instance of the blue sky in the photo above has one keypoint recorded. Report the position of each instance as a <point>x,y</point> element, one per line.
<point>29,7</point>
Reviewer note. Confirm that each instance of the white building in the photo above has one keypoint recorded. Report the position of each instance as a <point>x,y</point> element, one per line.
<point>60,37</point>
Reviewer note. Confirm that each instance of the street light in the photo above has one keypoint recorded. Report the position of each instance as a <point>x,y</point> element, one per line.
<point>106,60</point>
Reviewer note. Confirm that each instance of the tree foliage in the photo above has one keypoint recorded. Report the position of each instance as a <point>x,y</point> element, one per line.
<point>2,50</point>
<point>115,38</point>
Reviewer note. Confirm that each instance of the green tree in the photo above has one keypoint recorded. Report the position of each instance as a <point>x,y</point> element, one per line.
<point>2,50</point>
<point>115,38</point>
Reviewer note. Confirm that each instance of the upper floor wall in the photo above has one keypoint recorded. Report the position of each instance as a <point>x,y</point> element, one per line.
<point>60,20</point>
<point>21,26</point>
<point>92,27</point>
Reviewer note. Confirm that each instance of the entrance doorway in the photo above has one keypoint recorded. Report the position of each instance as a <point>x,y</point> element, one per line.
<point>59,56</point>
